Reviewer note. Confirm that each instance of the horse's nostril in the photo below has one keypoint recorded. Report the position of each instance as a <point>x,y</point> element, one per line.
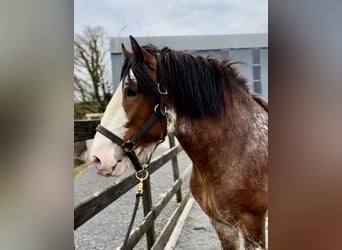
<point>96,160</point>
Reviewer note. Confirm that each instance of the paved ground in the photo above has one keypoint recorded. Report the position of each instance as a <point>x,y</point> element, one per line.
<point>197,232</point>
<point>107,229</point>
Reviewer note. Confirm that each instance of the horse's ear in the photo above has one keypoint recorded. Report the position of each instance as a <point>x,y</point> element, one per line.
<point>125,52</point>
<point>137,50</point>
<point>142,54</point>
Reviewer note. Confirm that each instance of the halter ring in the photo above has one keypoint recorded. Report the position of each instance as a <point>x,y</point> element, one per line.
<point>161,112</point>
<point>143,177</point>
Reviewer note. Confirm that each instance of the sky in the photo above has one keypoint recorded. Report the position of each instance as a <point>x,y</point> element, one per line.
<point>172,18</point>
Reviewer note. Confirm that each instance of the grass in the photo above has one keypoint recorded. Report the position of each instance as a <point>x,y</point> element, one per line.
<point>80,169</point>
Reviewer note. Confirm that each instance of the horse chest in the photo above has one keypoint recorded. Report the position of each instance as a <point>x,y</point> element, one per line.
<point>201,190</point>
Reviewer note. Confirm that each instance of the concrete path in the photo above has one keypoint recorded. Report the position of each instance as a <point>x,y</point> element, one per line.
<point>197,232</point>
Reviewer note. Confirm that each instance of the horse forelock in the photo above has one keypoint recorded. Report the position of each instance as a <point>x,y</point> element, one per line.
<point>146,84</point>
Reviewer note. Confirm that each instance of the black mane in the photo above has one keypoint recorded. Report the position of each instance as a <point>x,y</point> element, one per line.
<point>196,85</point>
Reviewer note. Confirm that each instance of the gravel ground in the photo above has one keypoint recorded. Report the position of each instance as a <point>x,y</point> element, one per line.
<point>107,229</point>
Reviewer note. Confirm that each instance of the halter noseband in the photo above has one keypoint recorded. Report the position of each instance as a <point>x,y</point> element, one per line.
<point>158,114</point>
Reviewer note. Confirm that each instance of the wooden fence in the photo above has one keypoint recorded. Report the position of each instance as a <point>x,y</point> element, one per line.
<point>92,205</point>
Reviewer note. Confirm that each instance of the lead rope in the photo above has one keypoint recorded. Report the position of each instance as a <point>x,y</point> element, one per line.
<point>141,175</point>
<point>136,206</point>
<point>137,201</point>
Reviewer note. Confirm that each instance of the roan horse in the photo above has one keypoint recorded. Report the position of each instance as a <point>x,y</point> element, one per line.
<point>221,125</point>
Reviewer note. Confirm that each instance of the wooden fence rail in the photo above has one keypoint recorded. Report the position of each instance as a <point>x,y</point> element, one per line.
<point>84,130</point>
<point>89,207</point>
<point>92,205</point>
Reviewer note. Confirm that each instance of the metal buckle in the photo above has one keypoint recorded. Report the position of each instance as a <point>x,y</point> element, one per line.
<point>161,92</point>
<point>128,146</point>
<point>141,175</point>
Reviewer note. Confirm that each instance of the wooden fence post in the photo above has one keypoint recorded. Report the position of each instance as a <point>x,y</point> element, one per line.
<point>147,202</point>
<point>175,167</point>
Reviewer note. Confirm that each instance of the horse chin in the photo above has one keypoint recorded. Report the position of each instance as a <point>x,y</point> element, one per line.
<point>122,168</point>
<point>119,168</point>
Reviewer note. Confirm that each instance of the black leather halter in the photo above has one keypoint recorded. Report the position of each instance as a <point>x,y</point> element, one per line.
<point>158,114</point>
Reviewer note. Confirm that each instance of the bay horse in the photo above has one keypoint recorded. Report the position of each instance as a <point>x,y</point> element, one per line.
<point>220,123</point>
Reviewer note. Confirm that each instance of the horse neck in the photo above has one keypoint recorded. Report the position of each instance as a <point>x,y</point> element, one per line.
<point>205,139</point>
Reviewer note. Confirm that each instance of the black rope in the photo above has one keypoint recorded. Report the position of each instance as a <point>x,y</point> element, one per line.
<point>138,195</point>
<point>137,200</point>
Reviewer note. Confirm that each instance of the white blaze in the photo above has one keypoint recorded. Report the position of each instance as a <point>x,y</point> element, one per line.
<point>114,119</point>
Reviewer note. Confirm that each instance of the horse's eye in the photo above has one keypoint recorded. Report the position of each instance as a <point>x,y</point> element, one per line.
<point>131,92</point>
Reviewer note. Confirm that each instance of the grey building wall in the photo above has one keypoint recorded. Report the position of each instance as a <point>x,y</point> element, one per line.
<point>236,47</point>
<point>264,72</point>
<point>117,61</point>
